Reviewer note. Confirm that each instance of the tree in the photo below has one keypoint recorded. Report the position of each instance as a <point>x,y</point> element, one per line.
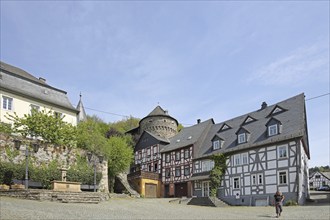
<point>44,124</point>
<point>119,154</point>
<point>217,172</point>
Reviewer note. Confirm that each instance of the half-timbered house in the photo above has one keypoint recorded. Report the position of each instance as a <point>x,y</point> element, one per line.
<point>177,159</point>
<point>319,179</point>
<point>267,151</point>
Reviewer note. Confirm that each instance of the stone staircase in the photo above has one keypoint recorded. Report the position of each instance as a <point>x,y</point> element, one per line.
<point>123,179</point>
<point>207,201</point>
<point>56,196</point>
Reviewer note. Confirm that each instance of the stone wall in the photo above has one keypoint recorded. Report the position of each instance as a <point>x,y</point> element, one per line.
<point>163,126</point>
<point>47,153</point>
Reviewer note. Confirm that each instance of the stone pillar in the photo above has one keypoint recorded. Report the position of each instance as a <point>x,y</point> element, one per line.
<point>103,185</point>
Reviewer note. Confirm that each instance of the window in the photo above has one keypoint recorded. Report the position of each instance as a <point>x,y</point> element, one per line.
<point>34,108</point>
<point>272,130</point>
<point>178,171</point>
<point>207,165</point>
<point>241,138</point>
<point>216,145</point>
<point>167,172</point>
<point>186,170</point>
<point>7,103</point>
<point>168,158</point>
<point>155,167</point>
<point>186,154</point>
<point>139,155</point>
<point>317,176</point>
<point>257,179</point>
<point>282,177</point>
<point>236,183</point>
<point>198,184</point>
<point>237,159</point>
<point>282,151</point>
<point>155,150</point>
<point>57,114</point>
<point>245,158</point>
<point>197,167</point>
<point>177,155</point>
<point>149,167</point>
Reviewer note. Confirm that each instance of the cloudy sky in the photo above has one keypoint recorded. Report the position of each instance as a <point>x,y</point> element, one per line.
<point>197,59</point>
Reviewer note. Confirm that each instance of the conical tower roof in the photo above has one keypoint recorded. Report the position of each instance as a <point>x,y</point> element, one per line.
<point>82,116</point>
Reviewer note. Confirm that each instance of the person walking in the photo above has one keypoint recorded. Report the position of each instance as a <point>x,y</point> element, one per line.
<point>278,197</point>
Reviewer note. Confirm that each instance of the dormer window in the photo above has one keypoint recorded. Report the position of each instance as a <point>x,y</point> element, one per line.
<point>276,110</point>
<point>248,119</point>
<point>272,130</point>
<point>216,144</point>
<point>242,135</point>
<point>224,127</point>
<point>273,127</point>
<point>241,138</point>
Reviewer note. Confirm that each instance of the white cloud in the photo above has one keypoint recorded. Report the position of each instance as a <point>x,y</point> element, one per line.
<point>306,64</point>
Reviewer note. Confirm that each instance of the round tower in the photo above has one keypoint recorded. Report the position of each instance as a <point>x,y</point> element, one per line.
<point>160,123</point>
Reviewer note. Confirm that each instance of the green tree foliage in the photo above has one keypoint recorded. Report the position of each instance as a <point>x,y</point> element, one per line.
<point>119,155</point>
<point>5,128</point>
<point>104,139</point>
<point>319,169</point>
<point>125,125</point>
<point>46,125</point>
<point>217,172</point>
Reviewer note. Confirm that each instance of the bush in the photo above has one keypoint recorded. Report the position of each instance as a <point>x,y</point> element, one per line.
<point>291,203</point>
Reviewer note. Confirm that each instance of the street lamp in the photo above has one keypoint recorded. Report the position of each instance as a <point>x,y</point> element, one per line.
<point>94,158</point>
<point>35,147</point>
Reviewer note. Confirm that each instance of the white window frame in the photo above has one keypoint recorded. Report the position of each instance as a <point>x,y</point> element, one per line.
<point>241,138</point>
<point>7,103</point>
<point>272,130</point>
<point>245,158</point>
<point>254,179</point>
<point>197,167</point>
<point>283,174</point>
<point>282,151</point>
<point>216,144</point>
<point>139,155</point>
<point>237,160</point>
<point>186,154</point>
<point>198,184</point>
<point>155,149</point>
<point>186,170</point>
<point>167,172</point>
<point>167,158</point>
<point>207,165</point>
<point>36,107</point>
<point>236,183</point>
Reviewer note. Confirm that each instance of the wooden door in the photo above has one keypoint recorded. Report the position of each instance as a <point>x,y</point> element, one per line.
<point>151,190</point>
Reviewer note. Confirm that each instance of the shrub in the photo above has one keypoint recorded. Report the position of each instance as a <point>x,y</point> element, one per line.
<point>291,203</point>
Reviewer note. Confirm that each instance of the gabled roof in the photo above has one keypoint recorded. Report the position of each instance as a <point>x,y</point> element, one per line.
<point>324,174</point>
<point>82,116</point>
<point>20,82</point>
<point>293,126</point>
<point>158,111</point>
<point>151,139</point>
<point>193,135</point>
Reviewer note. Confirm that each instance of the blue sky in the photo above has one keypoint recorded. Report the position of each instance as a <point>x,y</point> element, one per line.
<point>197,59</point>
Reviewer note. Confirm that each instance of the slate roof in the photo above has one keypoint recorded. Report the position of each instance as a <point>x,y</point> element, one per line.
<point>292,118</point>
<point>193,135</point>
<point>151,141</point>
<point>18,81</point>
<point>158,111</point>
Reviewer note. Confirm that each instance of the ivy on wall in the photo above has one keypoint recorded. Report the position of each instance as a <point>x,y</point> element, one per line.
<point>218,172</point>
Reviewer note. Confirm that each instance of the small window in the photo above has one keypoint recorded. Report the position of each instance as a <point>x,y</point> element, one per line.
<point>168,158</point>
<point>167,172</point>
<point>254,179</point>
<point>216,145</point>
<point>155,167</point>
<point>236,183</point>
<point>186,170</point>
<point>186,154</point>
<point>272,130</point>
<point>260,179</point>
<point>177,155</point>
<point>139,155</point>
<point>197,185</point>
<point>241,138</point>
<point>7,103</point>
<point>282,176</point>
<point>58,114</point>
<point>197,167</point>
<point>282,151</point>
<point>317,176</point>
<point>237,159</point>
<point>148,152</point>
<point>245,158</point>
<point>149,167</point>
<point>178,171</point>
<point>155,150</point>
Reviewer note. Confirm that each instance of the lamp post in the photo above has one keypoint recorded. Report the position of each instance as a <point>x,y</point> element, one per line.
<point>93,158</point>
<point>35,147</point>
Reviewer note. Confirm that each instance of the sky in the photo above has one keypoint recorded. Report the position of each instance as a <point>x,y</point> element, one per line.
<point>196,59</point>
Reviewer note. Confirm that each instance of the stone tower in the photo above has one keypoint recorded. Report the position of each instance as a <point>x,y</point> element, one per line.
<point>160,123</point>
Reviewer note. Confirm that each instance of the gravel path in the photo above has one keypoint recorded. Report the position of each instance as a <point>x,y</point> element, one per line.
<point>11,208</point>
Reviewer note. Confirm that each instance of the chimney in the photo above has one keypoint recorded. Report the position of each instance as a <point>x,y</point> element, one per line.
<point>42,79</point>
<point>263,105</point>
<point>198,121</point>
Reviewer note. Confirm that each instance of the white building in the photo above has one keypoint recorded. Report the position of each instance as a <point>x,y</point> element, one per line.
<point>20,92</point>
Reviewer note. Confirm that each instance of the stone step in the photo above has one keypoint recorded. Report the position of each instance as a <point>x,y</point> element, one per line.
<point>207,201</point>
